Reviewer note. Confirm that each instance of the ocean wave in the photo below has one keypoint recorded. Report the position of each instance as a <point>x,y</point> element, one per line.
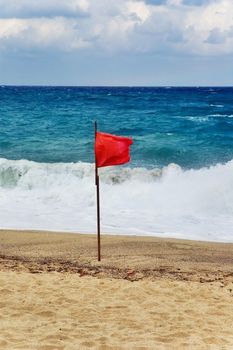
<point>198,119</point>
<point>29,175</point>
<point>168,201</point>
<point>221,115</point>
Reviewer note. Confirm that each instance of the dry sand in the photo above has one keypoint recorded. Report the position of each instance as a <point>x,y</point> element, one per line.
<point>146,293</point>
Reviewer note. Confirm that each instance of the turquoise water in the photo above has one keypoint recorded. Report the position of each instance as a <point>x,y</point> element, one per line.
<point>192,127</point>
<point>179,182</point>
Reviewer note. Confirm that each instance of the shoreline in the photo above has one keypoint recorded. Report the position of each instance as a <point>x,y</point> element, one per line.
<point>140,234</point>
<point>114,234</point>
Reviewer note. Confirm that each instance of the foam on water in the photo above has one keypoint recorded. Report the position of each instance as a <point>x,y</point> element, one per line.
<point>169,202</point>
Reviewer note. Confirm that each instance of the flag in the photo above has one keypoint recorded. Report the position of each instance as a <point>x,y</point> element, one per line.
<point>111,149</point>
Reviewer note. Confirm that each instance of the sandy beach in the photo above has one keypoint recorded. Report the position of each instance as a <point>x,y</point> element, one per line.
<point>146,293</point>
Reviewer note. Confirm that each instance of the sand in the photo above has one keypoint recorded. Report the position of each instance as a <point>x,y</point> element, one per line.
<point>146,293</point>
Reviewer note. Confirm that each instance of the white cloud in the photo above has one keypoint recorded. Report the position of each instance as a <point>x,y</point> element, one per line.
<point>202,22</point>
<point>192,26</point>
<point>41,33</point>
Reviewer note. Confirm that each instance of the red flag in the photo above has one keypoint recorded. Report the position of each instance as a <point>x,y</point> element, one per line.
<point>111,149</point>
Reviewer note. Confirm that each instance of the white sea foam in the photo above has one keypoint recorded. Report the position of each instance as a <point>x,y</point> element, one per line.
<point>221,115</point>
<point>169,202</point>
<point>214,105</point>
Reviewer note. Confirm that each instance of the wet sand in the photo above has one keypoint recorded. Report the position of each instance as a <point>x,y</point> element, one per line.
<point>146,293</point>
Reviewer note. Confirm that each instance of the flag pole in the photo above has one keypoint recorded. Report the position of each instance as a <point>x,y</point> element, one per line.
<point>97,199</point>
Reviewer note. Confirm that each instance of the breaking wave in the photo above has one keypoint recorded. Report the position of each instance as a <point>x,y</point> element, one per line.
<point>169,202</point>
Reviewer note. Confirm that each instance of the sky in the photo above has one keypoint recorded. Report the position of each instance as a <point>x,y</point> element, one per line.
<point>116,42</point>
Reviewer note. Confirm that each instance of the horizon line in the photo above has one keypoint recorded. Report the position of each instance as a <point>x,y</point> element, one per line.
<point>117,86</point>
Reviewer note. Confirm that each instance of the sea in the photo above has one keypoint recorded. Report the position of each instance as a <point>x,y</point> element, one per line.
<point>179,182</point>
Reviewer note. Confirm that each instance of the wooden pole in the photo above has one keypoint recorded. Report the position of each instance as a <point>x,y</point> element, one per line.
<point>98,201</point>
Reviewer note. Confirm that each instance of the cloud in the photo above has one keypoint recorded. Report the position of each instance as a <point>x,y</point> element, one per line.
<point>195,27</point>
<point>217,36</point>
<point>42,8</point>
<point>41,33</point>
